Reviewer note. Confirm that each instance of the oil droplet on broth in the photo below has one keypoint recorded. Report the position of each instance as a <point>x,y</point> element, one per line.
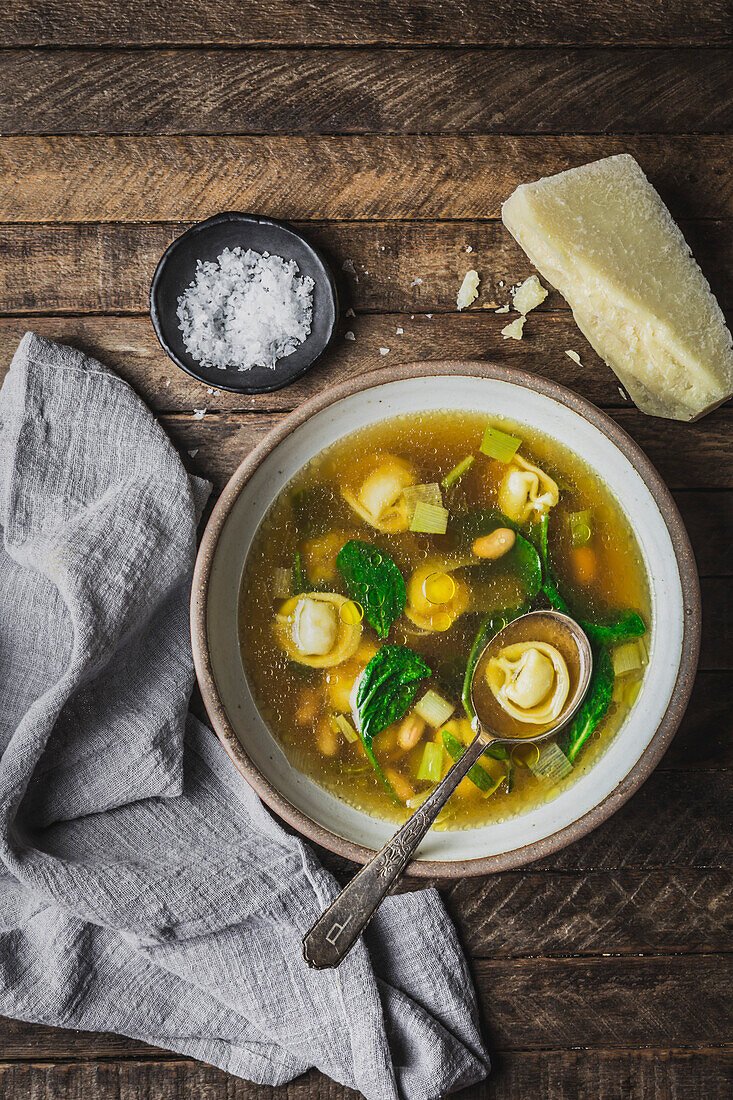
<point>439,588</point>
<point>351,613</point>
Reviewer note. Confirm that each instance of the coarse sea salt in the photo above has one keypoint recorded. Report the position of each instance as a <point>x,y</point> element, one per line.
<point>245,309</point>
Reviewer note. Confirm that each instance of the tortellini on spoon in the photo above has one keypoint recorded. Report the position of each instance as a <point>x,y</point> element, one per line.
<point>526,490</point>
<point>380,500</point>
<point>315,629</point>
<point>530,681</point>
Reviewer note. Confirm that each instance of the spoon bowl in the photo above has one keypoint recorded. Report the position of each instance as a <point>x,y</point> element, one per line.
<point>555,628</point>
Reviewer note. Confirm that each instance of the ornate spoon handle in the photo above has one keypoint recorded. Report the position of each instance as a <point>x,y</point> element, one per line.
<point>339,927</point>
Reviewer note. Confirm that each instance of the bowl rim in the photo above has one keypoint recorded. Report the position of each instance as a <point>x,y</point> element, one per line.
<point>691,627</point>
<point>248,219</point>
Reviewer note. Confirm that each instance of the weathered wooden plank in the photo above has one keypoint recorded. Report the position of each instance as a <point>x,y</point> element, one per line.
<point>369,23</point>
<point>400,266</point>
<point>702,1074</point>
<point>537,1003</point>
<point>529,1004</point>
<point>688,456</point>
<point>528,912</point>
<point>365,177</point>
<point>366,91</point>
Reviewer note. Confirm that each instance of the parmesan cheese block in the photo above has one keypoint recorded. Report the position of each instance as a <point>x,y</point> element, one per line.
<point>603,237</point>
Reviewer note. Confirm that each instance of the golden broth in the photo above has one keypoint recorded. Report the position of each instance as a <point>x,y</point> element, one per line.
<point>311,517</point>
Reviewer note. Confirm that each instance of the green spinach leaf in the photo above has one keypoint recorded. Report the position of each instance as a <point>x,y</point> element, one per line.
<point>549,582</point>
<point>387,687</point>
<point>593,707</point>
<point>373,580</point>
<point>620,628</point>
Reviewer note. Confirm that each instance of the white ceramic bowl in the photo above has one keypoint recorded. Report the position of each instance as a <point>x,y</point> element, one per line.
<point>632,480</point>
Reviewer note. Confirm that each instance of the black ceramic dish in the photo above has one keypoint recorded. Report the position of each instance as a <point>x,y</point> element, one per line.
<point>205,241</point>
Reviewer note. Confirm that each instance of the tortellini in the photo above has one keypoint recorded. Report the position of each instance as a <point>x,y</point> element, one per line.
<point>312,630</point>
<point>427,606</point>
<point>524,490</point>
<point>380,500</point>
<point>530,681</point>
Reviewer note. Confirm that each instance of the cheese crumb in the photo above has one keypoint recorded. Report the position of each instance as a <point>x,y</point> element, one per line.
<point>574,356</point>
<point>528,295</point>
<point>199,414</point>
<point>400,331</point>
<point>468,248</point>
<point>502,309</point>
<point>416,282</point>
<point>514,330</point>
<point>384,351</point>
<point>349,335</point>
<point>469,289</point>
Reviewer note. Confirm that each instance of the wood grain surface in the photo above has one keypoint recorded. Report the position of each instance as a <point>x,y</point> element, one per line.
<point>365,91</point>
<point>366,23</point>
<point>391,133</point>
<point>398,266</point>
<point>353,177</point>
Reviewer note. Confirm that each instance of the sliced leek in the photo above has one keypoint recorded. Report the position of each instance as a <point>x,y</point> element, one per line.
<point>552,764</point>
<point>499,445</point>
<point>434,709</point>
<point>343,726</point>
<point>429,519</point>
<point>457,472</point>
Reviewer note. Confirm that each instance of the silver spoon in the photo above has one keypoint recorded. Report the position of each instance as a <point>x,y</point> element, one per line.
<point>339,927</point>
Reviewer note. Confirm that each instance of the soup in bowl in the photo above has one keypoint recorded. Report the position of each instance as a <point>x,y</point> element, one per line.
<point>357,566</point>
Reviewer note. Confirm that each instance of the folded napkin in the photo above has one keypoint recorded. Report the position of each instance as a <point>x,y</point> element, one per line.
<point>144,889</point>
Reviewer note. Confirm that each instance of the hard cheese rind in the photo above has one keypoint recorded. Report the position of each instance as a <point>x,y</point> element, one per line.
<point>603,237</point>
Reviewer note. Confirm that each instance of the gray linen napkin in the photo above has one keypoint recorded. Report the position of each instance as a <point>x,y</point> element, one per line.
<point>144,889</point>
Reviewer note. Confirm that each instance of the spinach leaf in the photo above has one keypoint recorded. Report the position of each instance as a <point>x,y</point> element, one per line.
<point>387,687</point>
<point>374,581</point>
<point>620,628</point>
<point>490,626</point>
<point>549,582</point>
<point>522,559</point>
<point>593,707</point>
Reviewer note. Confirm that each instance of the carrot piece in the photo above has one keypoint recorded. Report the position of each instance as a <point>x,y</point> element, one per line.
<point>585,564</point>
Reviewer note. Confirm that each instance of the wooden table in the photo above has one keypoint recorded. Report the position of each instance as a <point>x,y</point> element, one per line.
<point>392,131</point>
